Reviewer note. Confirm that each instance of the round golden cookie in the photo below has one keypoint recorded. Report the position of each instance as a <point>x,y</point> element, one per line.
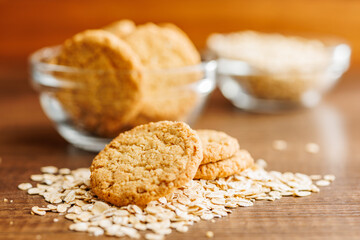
<point>217,145</point>
<point>108,86</point>
<point>163,50</point>
<point>225,168</point>
<point>146,163</point>
<point>162,47</point>
<point>121,28</point>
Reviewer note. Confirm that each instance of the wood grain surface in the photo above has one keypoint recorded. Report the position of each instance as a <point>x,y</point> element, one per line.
<point>29,141</point>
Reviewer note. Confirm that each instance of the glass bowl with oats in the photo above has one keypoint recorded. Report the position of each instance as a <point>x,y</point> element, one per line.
<point>269,73</point>
<point>89,107</point>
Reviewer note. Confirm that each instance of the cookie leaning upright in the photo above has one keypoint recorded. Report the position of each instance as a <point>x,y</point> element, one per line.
<point>163,46</point>
<point>146,163</point>
<point>217,145</point>
<point>164,50</point>
<point>108,84</point>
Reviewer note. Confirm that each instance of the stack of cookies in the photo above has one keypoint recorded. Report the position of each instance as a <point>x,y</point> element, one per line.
<point>124,75</point>
<point>222,156</point>
<point>152,160</point>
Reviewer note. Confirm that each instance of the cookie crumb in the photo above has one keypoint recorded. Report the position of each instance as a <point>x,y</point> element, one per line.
<point>11,201</point>
<point>312,148</point>
<point>209,234</point>
<point>280,145</point>
<point>6,200</point>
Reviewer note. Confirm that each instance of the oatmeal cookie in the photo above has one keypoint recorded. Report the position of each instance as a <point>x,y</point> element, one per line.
<point>162,49</point>
<point>121,28</point>
<point>107,82</point>
<point>225,168</point>
<point>146,163</point>
<point>217,145</point>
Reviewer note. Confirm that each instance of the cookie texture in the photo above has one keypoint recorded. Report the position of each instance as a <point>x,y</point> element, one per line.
<point>162,46</point>
<point>225,168</point>
<point>121,28</point>
<point>108,89</point>
<point>163,49</point>
<point>146,163</point>
<point>217,145</point>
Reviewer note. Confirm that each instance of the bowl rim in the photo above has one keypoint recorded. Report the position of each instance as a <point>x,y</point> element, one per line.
<point>36,61</point>
<point>338,64</point>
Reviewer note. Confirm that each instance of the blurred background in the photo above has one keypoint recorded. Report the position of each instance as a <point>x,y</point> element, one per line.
<point>29,25</point>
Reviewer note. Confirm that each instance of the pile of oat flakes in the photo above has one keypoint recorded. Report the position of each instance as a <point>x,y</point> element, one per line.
<point>68,192</point>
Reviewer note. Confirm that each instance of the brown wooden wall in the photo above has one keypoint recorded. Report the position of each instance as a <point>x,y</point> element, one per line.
<point>27,25</point>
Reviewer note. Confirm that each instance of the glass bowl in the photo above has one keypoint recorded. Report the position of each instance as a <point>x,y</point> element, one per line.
<point>298,75</point>
<point>90,107</point>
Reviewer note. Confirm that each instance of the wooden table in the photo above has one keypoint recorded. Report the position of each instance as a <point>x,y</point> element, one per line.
<point>29,141</point>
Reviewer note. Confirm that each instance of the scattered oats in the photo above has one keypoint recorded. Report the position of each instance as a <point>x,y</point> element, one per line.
<point>162,200</point>
<point>64,171</point>
<point>315,177</point>
<point>130,232</point>
<point>84,216</point>
<point>71,216</point>
<point>329,177</point>
<point>24,186</point>
<point>61,208</point>
<point>280,145</point>
<point>322,183</point>
<point>113,230</point>
<point>33,191</point>
<point>49,169</point>
<point>96,231</point>
<point>314,189</point>
<point>134,209</point>
<point>312,148</point>
<point>261,163</point>
<point>37,211</point>
<point>99,207</point>
<point>182,229</point>
<point>79,227</point>
<point>37,177</point>
<point>209,234</point>
<point>207,216</point>
<point>70,195</point>
<point>105,223</point>
<point>302,194</point>
<point>80,203</point>
<point>55,219</point>
<point>218,201</point>
<point>152,236</point>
